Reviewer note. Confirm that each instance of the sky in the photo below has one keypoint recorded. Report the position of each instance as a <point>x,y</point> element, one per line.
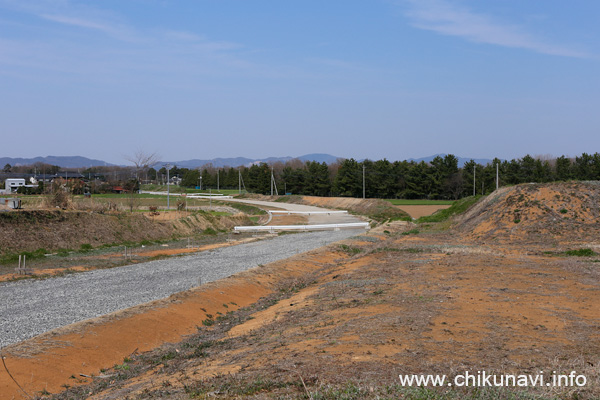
<point>395,79</point>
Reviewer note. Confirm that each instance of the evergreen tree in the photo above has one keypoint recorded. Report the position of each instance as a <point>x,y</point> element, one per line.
<point>348,181</point>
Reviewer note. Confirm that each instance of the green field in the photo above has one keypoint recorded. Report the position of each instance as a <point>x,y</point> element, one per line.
<point>179,189</point>
<point>403,202</point>
<point>227,192</point>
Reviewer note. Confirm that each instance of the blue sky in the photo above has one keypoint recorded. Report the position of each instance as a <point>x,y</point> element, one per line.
<point>256,78</point>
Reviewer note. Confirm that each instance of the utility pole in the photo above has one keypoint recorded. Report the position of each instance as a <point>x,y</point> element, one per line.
<point>168,188</point>
<point>271,181</point>
<point>364,181</point>
<point>473,180</point>
<point>496,176</point>
<point>274,184</point>
<point>217,180</point>
<point>240,181</point>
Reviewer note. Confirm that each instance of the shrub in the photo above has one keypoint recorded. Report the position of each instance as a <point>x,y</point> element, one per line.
<point>209,231</point>
<point>581,253</point>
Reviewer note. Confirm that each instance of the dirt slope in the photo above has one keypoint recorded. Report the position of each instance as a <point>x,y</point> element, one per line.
<point>29,230</point>
<point>555,212</point>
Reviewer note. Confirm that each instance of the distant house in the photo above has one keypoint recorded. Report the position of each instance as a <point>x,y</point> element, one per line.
<point>69,176</point>
<point>12,185</point>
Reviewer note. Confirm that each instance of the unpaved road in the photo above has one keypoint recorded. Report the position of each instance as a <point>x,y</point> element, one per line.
<point>312,219</point>
<point>31,307</point>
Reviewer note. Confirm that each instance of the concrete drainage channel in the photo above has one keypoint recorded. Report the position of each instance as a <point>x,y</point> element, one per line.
<point>316,227</point>
<point>32,307</point>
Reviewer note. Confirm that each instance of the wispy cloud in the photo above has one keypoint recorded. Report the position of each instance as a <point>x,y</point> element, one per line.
<point>130,47</point>
<point>446,18</point>
<point>118,31</point>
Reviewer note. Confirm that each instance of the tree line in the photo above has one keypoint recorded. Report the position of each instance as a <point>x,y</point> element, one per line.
<point>442,178</point>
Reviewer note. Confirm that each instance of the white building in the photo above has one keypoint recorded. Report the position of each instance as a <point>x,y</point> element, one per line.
<point>13,184</point>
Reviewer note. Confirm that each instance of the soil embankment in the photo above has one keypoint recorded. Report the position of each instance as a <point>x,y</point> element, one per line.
<point>552,213</point>
<point>29,230</point>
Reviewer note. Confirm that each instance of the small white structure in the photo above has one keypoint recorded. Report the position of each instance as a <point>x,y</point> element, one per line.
<point>10,204</point>
<point>13,184</point>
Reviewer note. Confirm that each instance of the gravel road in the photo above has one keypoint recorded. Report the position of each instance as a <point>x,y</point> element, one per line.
<point>31,307</point>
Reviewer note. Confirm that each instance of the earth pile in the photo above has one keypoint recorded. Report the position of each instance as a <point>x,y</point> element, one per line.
<point>556,212</point>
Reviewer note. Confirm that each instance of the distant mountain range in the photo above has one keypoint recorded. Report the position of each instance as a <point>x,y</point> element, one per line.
<point>239,161</point>
<point>61,161</point>
<point>83,162</point>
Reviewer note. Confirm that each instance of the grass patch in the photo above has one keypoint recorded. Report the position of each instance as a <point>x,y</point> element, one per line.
<point>209,231</point>
<point>247,209</point>
<point>86,247</point>
<point>398,249</point>
<point>411,232</point>
<point>457,207</point>
<point>10,258</point>
<point>350,249</point>
<point>581,253</point>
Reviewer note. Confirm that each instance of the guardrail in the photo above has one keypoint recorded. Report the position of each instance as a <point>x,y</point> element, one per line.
<point>318,227</point>
<point>194,196</point>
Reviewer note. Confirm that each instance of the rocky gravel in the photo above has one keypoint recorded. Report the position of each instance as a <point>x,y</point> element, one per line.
<point>31,307</point>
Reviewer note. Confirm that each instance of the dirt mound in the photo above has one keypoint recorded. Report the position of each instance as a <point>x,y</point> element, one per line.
<point>537,212</point>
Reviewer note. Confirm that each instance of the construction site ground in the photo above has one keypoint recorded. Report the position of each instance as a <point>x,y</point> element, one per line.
<point>346,320</point>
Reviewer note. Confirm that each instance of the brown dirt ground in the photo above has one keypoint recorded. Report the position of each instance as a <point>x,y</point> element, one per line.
<point>399,306</point>
<point>289,220</point>
<point>422,211</point>
<point>435,302</point>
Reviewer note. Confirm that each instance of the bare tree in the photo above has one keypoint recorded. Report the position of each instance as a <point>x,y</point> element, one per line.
<point>142,161</point>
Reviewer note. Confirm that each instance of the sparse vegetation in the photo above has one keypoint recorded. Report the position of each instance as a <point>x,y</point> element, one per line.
<point>411,232</point>
<point>457,207</point>
<point>350,249</point>
<point>581,253</point>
